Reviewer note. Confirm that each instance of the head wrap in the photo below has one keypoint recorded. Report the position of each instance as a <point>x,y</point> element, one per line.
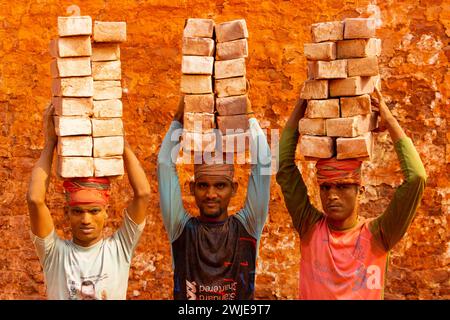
<point>223,170</point>
<point>87,190</point>
<point>335,171</point>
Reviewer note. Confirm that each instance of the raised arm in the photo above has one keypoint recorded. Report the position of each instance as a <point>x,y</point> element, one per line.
<point>295,193</point>
<point>173,213</point>
<point>254,214</point>
<point>139,183</point>
<point>40,218</point>
<point>390,227</point>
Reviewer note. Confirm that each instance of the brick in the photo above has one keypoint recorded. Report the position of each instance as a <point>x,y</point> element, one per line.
<point>197,65</point>
<point>314,127</point>
<point>105,51</point>
<point>315,89</point>
<point>320,51</point>
<point>229,68</point>
<point>199,103</point>
<point>79,46</point>
<point>80,146</point>
<point>70,67</point>
<point>310,69</point>
<point>353,106</point>
<point>228,106</point>
<point>72,106</point>
<point>75,167</point>
<point>73,87</point>
<point>323,108</point>
<point>359,28</point>
<point>72,126</point>
<point>229,124</point>
<point>230,87</point>
<point>107,90</point>
<point>232,50</point>
<point>108,146</point>
<point>107,127</point>
<point>236,143</point>
<point>198,28</point>
<point>231,30</point>
<point>74,26</point>
<point>359,147</point>
<point>362,67</point>
<point>329,69</point>
<point>352,86</point>
<point>109,166</point>
<point>107,108</point>
<point>358,48</point>
<point>106,70</point>
<point>316,147</point>
<point>327,31</point>
<point>198,47</point>
<point>196,84</point>
<point>110,31</point>
<point>351,126</point>
<point>194,141</point>
<point>198,122</point>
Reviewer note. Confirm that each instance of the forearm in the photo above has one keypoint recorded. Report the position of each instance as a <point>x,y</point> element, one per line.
<point>170,144</point>
<point>260,145</point>
<point>294,190</point>
<point>256,206</point>
<point>136,174</point>
<point>171,203</point>
<point>41,222</point>
<point>395,131</point>
<point>297,114</point>
<point>40,176</point>
<point>390,227</point>
<point>288,176</point>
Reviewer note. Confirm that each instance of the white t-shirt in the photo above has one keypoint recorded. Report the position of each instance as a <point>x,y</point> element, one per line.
<point>99,272</point>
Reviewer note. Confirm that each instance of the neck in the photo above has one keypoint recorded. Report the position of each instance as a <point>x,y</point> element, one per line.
<point>348,223</point>
<point>222,217</point>
<point>86,244</point>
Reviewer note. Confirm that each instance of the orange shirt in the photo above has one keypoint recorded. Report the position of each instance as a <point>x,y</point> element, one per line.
<point>347,264</point>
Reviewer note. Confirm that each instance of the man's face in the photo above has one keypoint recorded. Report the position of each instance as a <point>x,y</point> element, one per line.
<point>212,195</point>
<point>339,201</point>
<point>87,222</point>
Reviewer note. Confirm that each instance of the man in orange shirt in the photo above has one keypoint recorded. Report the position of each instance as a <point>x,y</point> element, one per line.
<point>344,256</point>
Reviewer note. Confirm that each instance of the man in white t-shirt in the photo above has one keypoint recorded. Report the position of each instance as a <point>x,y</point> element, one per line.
<point>89,266</point>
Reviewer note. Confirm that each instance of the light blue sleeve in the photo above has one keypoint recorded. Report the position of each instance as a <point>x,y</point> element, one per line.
<point>173,213</point>
<point>254,214</point>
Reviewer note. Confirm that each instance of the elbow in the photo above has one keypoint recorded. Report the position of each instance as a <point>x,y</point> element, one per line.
<point>35,200</point>
<point>143,193</point>
<point>419,178</point>
<point>163,159</point>
<point>281,174</point>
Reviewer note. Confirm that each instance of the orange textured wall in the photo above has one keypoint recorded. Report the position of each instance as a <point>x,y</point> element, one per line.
<point>416,83</point>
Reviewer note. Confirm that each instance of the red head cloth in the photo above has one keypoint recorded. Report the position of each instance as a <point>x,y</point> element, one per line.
<point>87,190</point>
<point>224,170</point>
<point>338,171</point>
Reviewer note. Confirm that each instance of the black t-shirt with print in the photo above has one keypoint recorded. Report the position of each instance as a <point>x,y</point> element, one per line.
<point>214,261</point>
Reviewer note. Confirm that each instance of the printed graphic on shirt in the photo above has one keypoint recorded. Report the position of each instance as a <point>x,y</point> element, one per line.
<point>88,288</point>
<point>225,290</point>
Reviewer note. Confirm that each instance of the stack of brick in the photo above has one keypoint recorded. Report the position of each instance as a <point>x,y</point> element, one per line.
<point>342,72</point>
<point>231,84</point>
<point>196,83</point>
<point>86,96</point>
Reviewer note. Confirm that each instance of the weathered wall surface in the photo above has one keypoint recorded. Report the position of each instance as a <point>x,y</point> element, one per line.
<point>416,83</point>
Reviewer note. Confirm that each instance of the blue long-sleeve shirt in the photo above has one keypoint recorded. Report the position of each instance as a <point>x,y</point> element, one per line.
<point>214,260</point>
